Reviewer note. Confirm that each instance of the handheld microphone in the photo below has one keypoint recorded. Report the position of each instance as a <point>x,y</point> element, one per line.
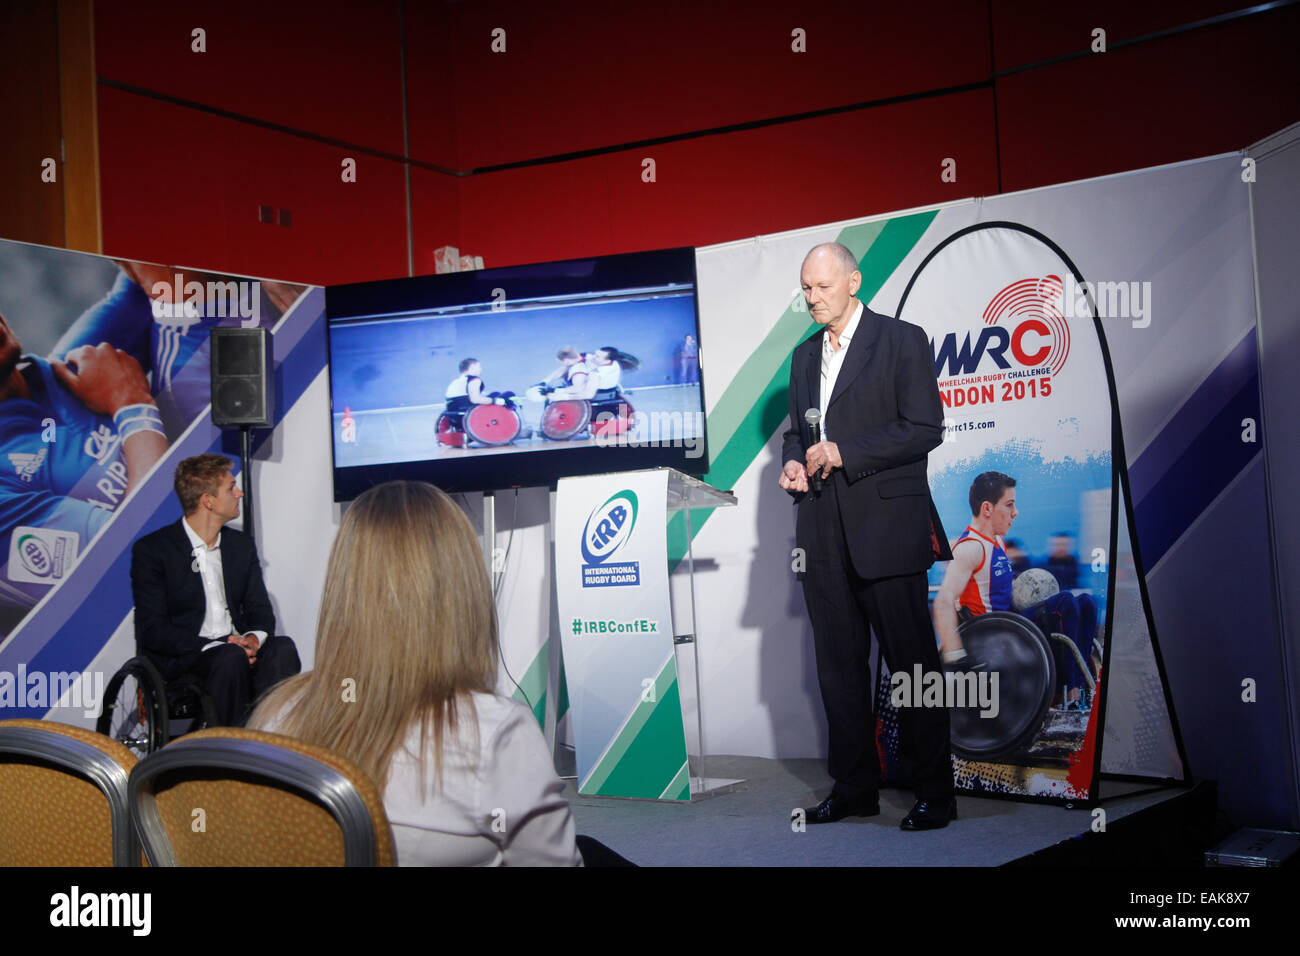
<point>813,417</point>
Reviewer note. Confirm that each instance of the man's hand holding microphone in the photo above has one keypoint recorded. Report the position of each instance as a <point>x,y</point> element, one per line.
<point>821,458</point>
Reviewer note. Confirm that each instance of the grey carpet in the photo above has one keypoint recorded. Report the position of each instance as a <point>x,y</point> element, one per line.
<point>751,826</point>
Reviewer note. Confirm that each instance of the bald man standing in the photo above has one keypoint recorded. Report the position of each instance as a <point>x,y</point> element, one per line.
<point>868,530</point>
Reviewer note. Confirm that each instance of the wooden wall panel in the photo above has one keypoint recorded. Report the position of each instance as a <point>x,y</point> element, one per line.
<point>584,75</point>
<point>1031,31</point>
<point>78,115</point>
<point>588,74</point>
<point>328,67</point>
<point>1197,94</point>
<point>184,187</point>
<point>32,209</point>
<point>722,188</point>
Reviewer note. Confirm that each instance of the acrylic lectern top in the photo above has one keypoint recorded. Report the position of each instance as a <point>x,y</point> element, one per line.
<point>687,491</point>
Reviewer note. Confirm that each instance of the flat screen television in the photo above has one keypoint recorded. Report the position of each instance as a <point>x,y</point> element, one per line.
<point>517,376</point>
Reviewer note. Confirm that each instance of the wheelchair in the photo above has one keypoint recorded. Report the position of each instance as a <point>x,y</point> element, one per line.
<point>139,706</point>
<point>607,415</point>
<point>1020,652</point>
<point>485,424</point>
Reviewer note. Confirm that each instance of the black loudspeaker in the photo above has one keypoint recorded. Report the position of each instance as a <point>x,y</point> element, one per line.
<point>242,390</point>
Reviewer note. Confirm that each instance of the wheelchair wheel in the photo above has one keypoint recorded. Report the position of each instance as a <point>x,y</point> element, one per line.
<point>134,709</point>
<point>612,418</point>
<point>1019,653</point>
<point>564,419</point>
<point>449,431</point>
<point>493,424</point>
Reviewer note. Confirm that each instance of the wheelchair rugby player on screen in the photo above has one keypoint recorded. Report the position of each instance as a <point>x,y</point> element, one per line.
<point>585,394</point>
<point>470,414</point>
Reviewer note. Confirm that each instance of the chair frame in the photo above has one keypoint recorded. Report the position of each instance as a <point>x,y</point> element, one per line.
<point>104,772</point>
<point>279,764</point>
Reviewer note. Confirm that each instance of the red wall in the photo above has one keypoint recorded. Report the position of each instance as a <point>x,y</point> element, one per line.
<point>287,90</point>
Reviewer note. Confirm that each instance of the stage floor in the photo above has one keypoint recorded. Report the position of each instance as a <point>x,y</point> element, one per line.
<point>750,825</point>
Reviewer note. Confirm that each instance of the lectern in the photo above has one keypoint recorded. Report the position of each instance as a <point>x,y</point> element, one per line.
<point>620,630</point>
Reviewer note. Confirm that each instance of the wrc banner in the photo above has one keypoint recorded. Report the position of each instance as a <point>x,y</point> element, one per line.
<point>1025,393</point>
<point>611,583</point>
<point>1088,339</point>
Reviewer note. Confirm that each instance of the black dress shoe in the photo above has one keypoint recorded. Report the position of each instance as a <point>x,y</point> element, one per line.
<point>930,815</point>
<point>837,807</point>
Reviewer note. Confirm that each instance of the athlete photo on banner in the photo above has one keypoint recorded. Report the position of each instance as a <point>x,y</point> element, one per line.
<point>92,351</point>
<point>1023,484</point>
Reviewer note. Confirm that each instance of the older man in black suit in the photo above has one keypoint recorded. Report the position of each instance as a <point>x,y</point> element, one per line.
<point>200,605</point>
<point>868,529</point>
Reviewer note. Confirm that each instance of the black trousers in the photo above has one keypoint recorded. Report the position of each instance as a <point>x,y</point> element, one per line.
<point>234,686</point>
<point>844,608</point>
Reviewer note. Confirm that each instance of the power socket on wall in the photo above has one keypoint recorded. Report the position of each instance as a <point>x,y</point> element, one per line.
<point>269,214</point>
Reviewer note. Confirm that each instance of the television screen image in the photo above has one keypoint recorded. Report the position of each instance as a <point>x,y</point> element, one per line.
<point>517,376</point>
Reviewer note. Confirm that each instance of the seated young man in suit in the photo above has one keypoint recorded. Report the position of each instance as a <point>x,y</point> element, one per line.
<point>200,605</point>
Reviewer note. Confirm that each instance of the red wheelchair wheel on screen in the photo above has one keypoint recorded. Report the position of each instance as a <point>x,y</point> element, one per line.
<point>449,430</point>
<point>611,418</point>
<point>493,424</point>
<point>564,419</point>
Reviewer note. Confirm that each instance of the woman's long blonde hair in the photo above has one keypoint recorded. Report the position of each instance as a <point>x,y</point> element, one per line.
<point>407,631</point>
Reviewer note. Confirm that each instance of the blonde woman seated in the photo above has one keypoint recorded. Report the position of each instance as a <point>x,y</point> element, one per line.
<point>407,620</point>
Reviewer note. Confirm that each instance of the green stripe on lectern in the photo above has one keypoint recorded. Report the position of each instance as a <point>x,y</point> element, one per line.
<point>753,407</point>
<point>654,753</point>
<point>679,788</point>
<point>648,751</point>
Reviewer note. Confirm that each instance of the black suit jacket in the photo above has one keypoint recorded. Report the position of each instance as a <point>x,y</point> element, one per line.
<point>168,592</point>
<point>884,416</point>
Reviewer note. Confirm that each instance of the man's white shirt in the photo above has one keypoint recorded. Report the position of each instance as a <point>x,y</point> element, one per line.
<point>217,624</point>
<point>832,360</point>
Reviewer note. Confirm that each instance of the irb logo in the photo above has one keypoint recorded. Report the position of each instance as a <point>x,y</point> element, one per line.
<point>609,527</point>
<point>41,555</point>
<point>35,556</point>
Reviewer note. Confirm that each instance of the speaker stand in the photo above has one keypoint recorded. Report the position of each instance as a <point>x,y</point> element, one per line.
<point>246,463</point>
